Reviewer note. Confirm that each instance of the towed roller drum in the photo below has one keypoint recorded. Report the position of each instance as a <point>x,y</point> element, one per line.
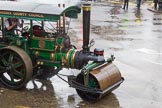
<point>105,78</point>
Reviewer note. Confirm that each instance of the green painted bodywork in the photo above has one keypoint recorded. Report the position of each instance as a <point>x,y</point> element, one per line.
<point>89,79</point>
<point>44,50</point>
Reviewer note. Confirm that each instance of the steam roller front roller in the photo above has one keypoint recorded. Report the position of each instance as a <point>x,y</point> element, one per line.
<point>16,67</point>
<point>102,80</point>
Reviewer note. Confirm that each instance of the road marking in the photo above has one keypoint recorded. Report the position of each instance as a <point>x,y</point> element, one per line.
<point>153,62</point>
<point>148,51</point>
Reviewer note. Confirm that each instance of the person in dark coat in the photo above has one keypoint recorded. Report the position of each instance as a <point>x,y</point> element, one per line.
<point>155,4</point>
<point>160,5</point>
<point>138,4</point>
<point>126,2</point>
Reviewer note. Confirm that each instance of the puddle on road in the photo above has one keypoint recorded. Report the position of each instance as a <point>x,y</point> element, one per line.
<point>157,19</point>
<point>109,101</point>
<point>110,33</point>
<point>53,93</point>
<point>41,96</point>
<point>115,10</point>
<point>103,30</point>
<point>115,49</point>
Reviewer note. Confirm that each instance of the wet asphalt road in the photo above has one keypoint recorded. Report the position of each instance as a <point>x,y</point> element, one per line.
<point>133,36</point>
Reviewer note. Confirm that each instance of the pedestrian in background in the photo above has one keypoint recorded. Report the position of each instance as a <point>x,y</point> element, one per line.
<point>155,4</point>
<point>138,4</point>
<point>126,4</point>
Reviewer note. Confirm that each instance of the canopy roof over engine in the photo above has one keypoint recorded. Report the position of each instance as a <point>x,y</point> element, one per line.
<point>36,11</point>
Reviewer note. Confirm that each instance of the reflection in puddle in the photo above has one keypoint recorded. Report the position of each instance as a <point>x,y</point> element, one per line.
<point>109,101</point>
<point>138,16</point>
<point>115,49</point>
<point>106,30</point>
<point>36,84</point>
<point>38,94</point>
<point>157,19</point>
<point>119,39</point>
<point>133,19</point>
<point>115,10</point>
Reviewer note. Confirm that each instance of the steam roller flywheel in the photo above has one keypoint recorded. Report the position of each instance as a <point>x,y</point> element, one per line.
<point>105,78</point>
<point>16,67</point>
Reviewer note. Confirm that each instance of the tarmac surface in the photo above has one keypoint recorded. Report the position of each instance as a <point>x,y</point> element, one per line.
<point>133,36</point>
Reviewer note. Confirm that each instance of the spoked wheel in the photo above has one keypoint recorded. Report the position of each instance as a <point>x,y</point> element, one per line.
<point>15,67</point>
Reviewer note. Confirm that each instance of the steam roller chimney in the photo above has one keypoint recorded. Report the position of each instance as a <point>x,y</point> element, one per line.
<point>86,26</point>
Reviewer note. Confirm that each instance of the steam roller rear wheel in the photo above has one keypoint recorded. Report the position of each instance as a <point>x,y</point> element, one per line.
<point>105,78</point>
<point>16,67</point>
